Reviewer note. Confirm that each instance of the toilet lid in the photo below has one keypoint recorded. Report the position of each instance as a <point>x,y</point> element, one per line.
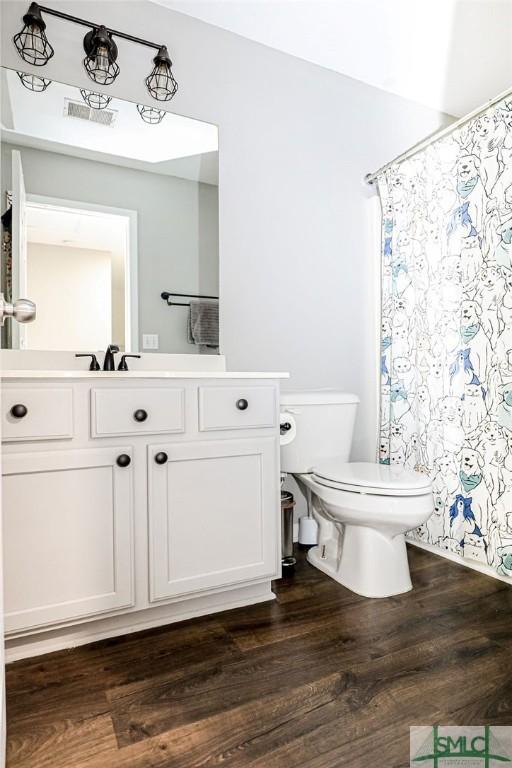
<point>366,477</point>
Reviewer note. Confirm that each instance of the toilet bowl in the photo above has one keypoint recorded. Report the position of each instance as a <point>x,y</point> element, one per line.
<point>363,509</point>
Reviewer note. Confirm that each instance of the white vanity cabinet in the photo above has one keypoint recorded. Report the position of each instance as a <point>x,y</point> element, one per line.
<point>67,530</point>
<point>137,410</point>
<point>35,413</point>
<point>155,499</point>
<point>212,518</point>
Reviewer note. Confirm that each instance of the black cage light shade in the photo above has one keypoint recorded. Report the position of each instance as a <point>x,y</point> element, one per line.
<point>95,100</point>
<point>33,82</point>
<point>151,115</point>
<point>160,82</point>
<point>101,55</point>
<point>32,43</point>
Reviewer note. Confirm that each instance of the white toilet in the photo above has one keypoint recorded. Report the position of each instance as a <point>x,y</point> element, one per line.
<point>363,509</point>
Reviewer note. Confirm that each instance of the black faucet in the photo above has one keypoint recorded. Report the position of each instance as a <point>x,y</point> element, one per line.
<point>109,362</point>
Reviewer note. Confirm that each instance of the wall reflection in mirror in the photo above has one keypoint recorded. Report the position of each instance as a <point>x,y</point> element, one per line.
<point>106,205</point>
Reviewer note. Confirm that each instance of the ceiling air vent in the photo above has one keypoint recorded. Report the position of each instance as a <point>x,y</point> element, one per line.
<point>80,110</point>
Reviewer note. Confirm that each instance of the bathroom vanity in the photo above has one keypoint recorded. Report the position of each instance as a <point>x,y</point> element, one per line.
<point>131,498</point>
<point>135,499</point>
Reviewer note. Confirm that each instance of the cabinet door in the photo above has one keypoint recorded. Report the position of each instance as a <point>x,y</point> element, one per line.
<point>67,535</point>
<point>214,511</point>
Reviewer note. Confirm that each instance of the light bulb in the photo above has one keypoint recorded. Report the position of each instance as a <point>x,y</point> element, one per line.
<point>102,63</point>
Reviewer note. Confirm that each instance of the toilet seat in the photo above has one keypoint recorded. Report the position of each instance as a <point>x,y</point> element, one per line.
<point>371,478</point>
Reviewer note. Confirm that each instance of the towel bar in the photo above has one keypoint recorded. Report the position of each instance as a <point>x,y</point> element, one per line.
<point>166,296</point>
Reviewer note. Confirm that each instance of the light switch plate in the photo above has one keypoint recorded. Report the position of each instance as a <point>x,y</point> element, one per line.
<point>150,340</point>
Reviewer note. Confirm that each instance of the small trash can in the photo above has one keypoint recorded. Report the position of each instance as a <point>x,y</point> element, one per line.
<point>287,559</point>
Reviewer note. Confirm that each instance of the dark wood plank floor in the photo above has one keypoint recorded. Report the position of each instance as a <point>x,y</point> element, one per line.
<point>320,678</point>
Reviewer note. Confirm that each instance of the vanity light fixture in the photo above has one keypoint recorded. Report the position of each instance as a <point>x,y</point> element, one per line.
<point>33,82</point>
<point>32,43</point>
<point>150,115</point>
<point>160,82</point>
<point>100,48</point>
<point>95,100</point>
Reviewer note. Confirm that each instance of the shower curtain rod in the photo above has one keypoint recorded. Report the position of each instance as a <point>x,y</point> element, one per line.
<point>371,178</point>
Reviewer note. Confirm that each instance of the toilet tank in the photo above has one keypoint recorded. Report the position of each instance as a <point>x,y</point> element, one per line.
<point>322,427</point>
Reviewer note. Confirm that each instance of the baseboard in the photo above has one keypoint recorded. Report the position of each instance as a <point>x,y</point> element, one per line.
<point>124,624</point>
<point>473,564</point>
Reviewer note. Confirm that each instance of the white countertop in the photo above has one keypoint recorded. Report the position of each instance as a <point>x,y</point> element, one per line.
<point>120,375</point>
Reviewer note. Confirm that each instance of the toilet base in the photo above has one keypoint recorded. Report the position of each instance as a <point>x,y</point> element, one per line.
<point>370,563</point>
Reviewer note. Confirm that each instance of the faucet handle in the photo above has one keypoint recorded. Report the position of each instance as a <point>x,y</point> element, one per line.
<point>122,365</point>
<point>94,366</point>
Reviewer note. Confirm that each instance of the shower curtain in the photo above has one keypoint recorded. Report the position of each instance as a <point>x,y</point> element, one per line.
<point>446,346</point>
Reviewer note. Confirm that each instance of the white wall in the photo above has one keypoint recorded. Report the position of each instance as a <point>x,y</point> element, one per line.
<point>78,282</point>
<point>386,43</point>
<point>296,259</point>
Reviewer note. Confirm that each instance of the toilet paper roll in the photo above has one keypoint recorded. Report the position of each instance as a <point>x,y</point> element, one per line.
<point>308,531</point>
<point>288,428</point>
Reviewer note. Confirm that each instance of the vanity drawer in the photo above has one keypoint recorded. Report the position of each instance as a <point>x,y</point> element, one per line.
<point>236,407</point>
<point>36,413</point>
<point>137,411</point>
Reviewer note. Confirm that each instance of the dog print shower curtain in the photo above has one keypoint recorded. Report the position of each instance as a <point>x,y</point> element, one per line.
<point>446,351</point>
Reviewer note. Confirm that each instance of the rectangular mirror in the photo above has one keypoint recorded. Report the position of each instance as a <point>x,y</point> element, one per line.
<point>106,205</point>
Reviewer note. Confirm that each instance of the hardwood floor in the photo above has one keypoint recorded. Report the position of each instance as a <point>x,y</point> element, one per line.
<point>320,678</point>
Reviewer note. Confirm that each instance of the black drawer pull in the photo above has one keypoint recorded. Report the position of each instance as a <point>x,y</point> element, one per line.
<point>242,404</point>
<point>123,460</point>
<point>161,457</point>
<point>19,411</point>
<point>140,414</point>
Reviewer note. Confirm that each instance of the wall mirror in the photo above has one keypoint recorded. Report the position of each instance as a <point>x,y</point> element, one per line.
<point>107,204</point>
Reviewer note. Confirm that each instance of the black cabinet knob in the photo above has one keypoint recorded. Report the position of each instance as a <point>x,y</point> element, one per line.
<point>242,404</point>
<point>161,457</point>
<point>140,414</point>
<point>19,411</point>
<point>123,460</point>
